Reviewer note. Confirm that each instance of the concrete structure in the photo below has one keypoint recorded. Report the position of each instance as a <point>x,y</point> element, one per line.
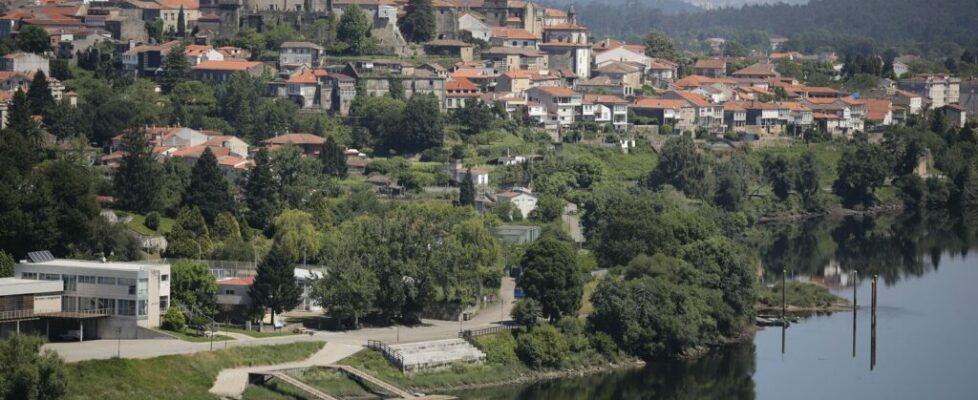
<point>433,354</point>
<point>300,54</point>
<point>233,299</point>
<point>133,295</point>
<point>24,301</point>
<point>518,234</point>
<point>562,104</point>
<point>940,89</point>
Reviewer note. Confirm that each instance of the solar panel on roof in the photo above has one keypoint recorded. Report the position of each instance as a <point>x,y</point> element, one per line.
<point>40,256</point>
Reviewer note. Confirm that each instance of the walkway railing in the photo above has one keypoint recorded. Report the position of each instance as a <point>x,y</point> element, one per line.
<point>468,334</point>
<point>27,314</point>
<point>392,355</point>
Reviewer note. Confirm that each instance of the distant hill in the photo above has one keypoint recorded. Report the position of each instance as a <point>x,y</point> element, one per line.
<point>925,25</point>
<point>714,4</point>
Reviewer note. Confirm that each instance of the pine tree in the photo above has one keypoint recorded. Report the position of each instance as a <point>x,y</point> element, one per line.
<point>418,24</point>
<point>261,192</point>
<point>40,93</point>
<point>181,23</point>
<point>466,191</point>
<point>19,117</point>
<point>275,287</point>
<point>333,159</point>
<point>176,68</point>
<point>137,182</point>
<point>208,190</point>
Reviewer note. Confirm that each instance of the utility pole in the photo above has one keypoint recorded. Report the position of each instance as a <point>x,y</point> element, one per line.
<point>784,305</point>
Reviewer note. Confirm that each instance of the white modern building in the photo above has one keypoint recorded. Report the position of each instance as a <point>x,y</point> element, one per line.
<point>23,302</point>
<point>129,296</point>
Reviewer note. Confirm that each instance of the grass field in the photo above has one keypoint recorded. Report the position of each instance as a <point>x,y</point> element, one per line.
<point>138,224</point>
<point>329,381</point>
<point>185,377</point>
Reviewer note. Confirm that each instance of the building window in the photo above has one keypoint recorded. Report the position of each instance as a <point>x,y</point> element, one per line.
<point>142,308</point>
<point>87,279</point>
<point>164,303</point>
<point>127,307</point>
<point>164,278</point>
<point>28,275</point>
<point>126,282</point>
<point>107,304</point>
<point>49,277</point>
<point>106,280</point>
<point>229,291</point>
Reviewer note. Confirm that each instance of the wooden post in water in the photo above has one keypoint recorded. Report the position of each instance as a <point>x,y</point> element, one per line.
<point>784,285</point>
<point>855,302</point>
<point>872,342</point>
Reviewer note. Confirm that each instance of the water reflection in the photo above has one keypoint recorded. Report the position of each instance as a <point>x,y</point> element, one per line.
<point>722,374</point>
<point>895,247</point>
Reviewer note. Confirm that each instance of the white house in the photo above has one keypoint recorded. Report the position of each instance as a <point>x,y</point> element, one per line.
<point>562,104</point>
<point>521,200</point>
<point>474,26</point>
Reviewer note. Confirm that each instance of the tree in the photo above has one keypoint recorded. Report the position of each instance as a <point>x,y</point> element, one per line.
<point>226,227</point>
<point>862,169</point>
<point>354,31</point>
<point>261,193</point>
<point>176,68</point>
<point>808,182</point>
<point>174,320</point>
<point>466,190</point>
<point>19,118</point>
<point>551,277</point>
<point>395,88</point>
<point>208,191</point>
<point>154,29</point>
<point>549,208</point>
<point>152,220</point>
<point>33,39</point>
<point>190,237</point>
<point>6,264</point>
<point>544,347</point>
<point>348,293</point>
<point>475,116</point>
<point>779,173</point>
<point>30,373</point>
<point>194,287</point>
<point>421,125</point>
<point>684,167</point>
<point>659,45</point>
<point>526,312</point>
<point>137,182</point>
<point>418,25</point>
<point>275,288</point>
<point>181,24</point>
<point>65,121</point>
<point>40,93</point>
<point>333,159</point>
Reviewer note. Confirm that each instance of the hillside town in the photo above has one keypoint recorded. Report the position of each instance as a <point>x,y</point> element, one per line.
<point>516,193</point>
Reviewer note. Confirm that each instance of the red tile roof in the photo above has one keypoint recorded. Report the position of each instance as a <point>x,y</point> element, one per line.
<point>556,91</point>
<point>226,65</point>
<point>658,103</point>
<point>513,33</point>
<point>295,138</point>
<point>711,63</point>
<point>244,281</point>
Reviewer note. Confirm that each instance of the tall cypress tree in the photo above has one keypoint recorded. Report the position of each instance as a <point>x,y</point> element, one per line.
<point>333,159</point>
<point>466,191</point>
<point>275,287</point>
<point>19,117</point>
<point>40,93</point>
<point>208,190</point>
<point>261,192</point>
<point>181,23</point>
<point>418,24</point>
<point>138,180</point>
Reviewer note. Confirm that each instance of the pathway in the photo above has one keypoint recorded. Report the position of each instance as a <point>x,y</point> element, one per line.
<point>572,218</point>
<point>231,383</point>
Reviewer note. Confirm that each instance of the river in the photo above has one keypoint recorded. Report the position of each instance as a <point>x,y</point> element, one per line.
<point>927,320</point>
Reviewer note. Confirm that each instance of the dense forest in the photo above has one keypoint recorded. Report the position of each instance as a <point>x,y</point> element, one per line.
<point>936,28</point>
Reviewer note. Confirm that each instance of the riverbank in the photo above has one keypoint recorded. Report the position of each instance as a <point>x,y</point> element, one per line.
<point>800,297</point>
<point>837,212</point>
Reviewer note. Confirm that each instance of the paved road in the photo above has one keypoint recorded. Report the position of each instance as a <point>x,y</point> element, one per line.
<point>429,330</point>
<point>573,220</point>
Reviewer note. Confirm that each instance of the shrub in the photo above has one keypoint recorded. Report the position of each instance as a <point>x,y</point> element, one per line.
<point>544,347</point>
<point>174,320</point>
<point>604,345</point>
<point>526,312</point>
<point>499,348</point>
<point>152,220</point>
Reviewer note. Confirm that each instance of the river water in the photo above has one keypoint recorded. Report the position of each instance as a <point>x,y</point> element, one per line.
<point>927,323</point>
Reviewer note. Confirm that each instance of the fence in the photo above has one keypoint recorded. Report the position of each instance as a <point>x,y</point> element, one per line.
<point>222,269</point>
<point>393,356</point>
<point>469,334</point>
